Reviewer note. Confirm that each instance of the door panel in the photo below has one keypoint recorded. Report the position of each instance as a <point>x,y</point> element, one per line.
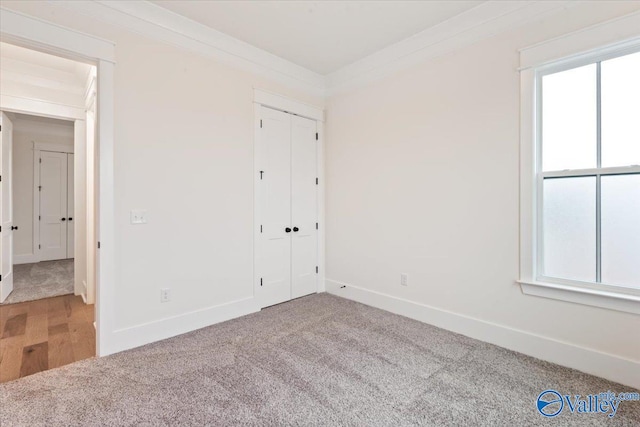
<point>6,207</point>
<point>70,200</point>
<point>53,206</point>
<point>303,207</point>
<point>275,207</point>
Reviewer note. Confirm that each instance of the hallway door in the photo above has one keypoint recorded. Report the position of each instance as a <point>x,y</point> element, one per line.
<point>53,205</point>
<point>6,207</point>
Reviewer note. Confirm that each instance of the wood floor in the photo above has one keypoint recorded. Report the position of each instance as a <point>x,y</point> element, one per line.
<point>44,334</point>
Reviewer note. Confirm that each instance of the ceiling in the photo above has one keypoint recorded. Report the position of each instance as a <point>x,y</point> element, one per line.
<point>322,36</point>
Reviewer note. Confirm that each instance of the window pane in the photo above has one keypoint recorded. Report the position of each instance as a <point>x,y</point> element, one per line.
<point>621,230</point>
<point>569,224</point>
<point>569,119</point>
<point>620,91</point>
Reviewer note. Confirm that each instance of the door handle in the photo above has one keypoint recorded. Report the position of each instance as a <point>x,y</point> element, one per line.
<point>296,229</point>
<point>287,230</point>
<point>14,227</point>
<point>63,219</point>
<point>70,219</point>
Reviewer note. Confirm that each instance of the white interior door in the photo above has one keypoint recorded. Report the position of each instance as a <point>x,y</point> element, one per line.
<point>274,263</point>
<point>53,205</point>
<point>6,207</point>
<point>304,208</point>
<point>70,203</point>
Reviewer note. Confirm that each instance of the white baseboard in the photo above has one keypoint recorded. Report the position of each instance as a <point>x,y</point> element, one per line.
<point>136,336</point>
<point>25,259</point>
<point>611,367</point>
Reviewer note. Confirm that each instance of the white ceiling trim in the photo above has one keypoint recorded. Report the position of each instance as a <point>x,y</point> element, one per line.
<point>485,20</point>
<point>622,31</point>
<point>21,28</point>
<point>481,22</point>
<point>158,23</point>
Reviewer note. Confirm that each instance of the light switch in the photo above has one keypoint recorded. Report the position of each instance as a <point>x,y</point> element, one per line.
<point>138,216</point>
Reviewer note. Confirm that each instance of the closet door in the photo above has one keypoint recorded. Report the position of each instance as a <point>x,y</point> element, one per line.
<point>304,207</point>
<point>70,201</point>
<point>53,205</point>
<point>274,263</point>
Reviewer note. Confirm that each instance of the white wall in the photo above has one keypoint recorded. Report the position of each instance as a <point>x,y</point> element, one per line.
<point>25,133</point>
<point>423,178</point>
<point>184,152</point>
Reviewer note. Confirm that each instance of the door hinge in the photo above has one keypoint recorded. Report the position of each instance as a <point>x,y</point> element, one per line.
<point>39,218</point>
<point>40,159</point>
<point>39,187</point>
<point>261,281</point>
<point>260,123</point>
<point>316,136</point>
<point>261,172</point>
<point>316,225</point>
<point>0,277</point>
<point>316,181</point>
<point>316,269</point>
<point>39,246</point>
<point>261,228</point>
<point>98,245</point>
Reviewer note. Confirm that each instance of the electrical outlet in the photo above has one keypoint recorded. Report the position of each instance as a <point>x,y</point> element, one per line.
<point>138,216</point>
<point>404,279</point>
<point>165,295</point>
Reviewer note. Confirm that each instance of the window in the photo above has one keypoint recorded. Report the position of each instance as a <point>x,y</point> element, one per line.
<point>585,178</point>
<point>588,172</point>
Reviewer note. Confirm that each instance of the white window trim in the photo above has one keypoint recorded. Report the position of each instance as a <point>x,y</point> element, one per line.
<point>543,59</point>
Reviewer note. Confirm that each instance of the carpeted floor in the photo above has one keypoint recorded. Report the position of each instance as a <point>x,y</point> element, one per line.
<point>44,279</point>
<point>318,360</point>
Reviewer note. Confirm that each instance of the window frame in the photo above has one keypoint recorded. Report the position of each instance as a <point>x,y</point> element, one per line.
<point>532,279</point>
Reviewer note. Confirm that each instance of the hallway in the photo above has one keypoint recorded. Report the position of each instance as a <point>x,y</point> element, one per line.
<point>41,280</point>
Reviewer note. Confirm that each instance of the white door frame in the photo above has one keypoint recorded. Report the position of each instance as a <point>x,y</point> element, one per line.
<point>278,102</point>
<point>38,147</point>
<point>51,38</point>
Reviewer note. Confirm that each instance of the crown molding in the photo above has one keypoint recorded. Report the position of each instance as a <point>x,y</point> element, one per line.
<point>155,22</point>
<point>483,21</point>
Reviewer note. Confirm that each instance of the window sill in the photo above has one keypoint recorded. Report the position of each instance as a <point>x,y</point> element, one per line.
<point>597,298</point>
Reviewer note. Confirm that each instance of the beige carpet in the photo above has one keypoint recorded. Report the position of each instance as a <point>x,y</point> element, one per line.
<point>39,280</point>
<point>319,360</point>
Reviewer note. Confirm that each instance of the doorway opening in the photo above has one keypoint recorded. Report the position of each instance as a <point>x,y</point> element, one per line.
<point>49,218</point>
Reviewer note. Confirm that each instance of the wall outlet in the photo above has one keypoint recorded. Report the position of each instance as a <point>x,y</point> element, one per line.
<point>404,279</point>
<point>165,295</point>
<point>138,216</point>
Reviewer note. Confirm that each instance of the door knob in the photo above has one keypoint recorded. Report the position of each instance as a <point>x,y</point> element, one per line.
<point>296,229</point>
<point>288,230</point>
<point>14,227</point>
<point>63,219</point>
<point>70,219</point>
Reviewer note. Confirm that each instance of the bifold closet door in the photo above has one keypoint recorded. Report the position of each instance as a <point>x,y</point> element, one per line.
<point>275,207</point>
<point>53,205</point>
<point>304,208</point>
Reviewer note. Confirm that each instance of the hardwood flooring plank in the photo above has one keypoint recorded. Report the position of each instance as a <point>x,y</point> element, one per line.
<point>15,325</point>
<point>61,350</point>
<point>35,358</point>
<point>37,329</point>
<point>11,358</point>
